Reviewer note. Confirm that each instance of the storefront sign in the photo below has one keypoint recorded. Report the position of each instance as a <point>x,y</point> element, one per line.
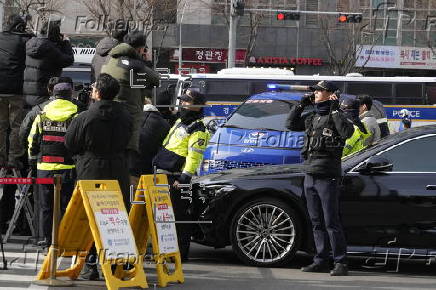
<point>287,60</point>
<point>396,57</point>
<point>209,55</point>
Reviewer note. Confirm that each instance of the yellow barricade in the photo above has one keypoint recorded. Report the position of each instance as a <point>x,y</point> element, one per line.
<point>96,213</point>
<point>156,219</point>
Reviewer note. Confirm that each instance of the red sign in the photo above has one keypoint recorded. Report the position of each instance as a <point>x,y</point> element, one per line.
<point>287,60</point>
<point>212,55</point>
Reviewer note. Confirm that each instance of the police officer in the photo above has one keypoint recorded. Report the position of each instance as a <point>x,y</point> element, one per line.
<point>46,147</point>
<point>181,155</point>
<point>326,130</point>
<point>361,134</point>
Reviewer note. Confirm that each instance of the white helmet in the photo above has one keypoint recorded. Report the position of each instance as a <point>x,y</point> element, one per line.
<point>404,113</point>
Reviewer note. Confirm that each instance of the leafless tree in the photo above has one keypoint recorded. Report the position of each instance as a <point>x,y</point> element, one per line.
<point>344,42</point>
<point>255,20</point>
<point>149,13</point>
<point>33,9</point>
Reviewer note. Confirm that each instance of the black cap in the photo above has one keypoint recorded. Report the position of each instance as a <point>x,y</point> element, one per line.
<point>62,90</point>
<point>324,86</point>
<point>136,39</point>
<point>16,23</point>
<point>193,96</point>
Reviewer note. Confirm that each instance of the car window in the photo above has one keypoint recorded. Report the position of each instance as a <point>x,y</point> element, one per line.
<point>417,155</point>
<point>261,114</point>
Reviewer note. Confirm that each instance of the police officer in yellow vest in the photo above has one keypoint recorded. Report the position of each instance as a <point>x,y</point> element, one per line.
<point>356,142</point>
<point>47,149</point>
<point>180,157</point>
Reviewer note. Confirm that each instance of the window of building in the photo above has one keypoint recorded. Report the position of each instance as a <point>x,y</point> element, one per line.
<point>312,19</point>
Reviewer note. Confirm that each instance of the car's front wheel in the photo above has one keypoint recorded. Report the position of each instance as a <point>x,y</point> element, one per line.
<point>265,232</point>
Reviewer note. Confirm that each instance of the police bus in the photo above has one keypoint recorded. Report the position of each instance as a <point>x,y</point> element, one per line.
<point>228,88</point>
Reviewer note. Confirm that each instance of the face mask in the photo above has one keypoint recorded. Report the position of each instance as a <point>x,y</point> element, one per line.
<point>188,116</point>
<point>323,108</point>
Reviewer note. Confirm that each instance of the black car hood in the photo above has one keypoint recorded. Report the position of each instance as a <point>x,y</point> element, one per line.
<point>260,172</point>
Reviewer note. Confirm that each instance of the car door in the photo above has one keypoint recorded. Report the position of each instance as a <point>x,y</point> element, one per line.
<point>395,208</point>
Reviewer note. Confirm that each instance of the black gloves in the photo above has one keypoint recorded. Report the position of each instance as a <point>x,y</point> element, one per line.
<point>334,105</point>
<point>306,100</point>
<point>184,179</point>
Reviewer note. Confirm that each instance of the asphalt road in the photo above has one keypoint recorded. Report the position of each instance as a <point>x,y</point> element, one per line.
<point>219,269</point>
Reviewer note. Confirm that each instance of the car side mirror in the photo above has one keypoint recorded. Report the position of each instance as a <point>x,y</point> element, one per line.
<point>375,164</point>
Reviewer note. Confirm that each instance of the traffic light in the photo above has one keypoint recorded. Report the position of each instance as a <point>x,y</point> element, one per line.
<point>350,18</point>
<point>288,16</point>
<point>238,7</point>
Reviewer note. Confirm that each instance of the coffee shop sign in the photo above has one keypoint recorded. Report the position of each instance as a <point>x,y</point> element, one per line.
<point>287,60</point>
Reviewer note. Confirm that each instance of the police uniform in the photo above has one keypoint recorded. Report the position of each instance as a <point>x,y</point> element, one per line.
<point>357,141</point>
<point>181,155</point>
<point>46,147</point>
<point>326,131</point>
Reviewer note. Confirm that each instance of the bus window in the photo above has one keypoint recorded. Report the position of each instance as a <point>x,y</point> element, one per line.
<point>430,90</point>
<point>260,86</point>
<point>408,94</point>
<point>379,91</point>
<point>224,90</point>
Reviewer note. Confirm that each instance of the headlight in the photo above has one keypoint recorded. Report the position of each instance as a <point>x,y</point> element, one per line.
<point>219,189</point>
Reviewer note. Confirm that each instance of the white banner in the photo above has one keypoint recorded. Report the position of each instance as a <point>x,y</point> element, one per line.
<point>383,56</point>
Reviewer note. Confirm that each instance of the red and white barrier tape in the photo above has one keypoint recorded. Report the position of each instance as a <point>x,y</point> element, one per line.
<point>22,180</point>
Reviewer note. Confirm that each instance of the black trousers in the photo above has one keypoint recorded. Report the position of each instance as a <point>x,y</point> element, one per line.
<point>181,207</point>
<point>322,198</point>
<point>46,194</point>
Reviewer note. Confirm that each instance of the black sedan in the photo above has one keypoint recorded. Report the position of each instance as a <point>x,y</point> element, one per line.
<point>388,200</point>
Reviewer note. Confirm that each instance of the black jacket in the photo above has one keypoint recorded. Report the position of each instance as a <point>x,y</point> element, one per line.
<point>154,129</point>
<point>12,61</point>
<point>324,139</point>
<point>98,138</point>
<point>102,50</point>
<point>44,59</point>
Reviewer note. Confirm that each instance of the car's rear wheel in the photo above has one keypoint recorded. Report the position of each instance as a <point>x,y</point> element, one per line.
<point>265,232</point>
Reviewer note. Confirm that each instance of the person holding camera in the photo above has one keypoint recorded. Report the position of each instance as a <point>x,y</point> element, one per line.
<point>326,130</point>
<point>46,56</point>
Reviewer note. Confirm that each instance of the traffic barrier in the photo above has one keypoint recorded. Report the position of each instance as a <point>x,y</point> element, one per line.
<point>96,213</point>
<point>156,220</point>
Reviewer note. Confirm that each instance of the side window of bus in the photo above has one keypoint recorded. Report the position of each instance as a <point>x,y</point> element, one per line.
<point>408,94</point>
<point>379,91</point>
<point>430,90</point>
<point>227,90</point>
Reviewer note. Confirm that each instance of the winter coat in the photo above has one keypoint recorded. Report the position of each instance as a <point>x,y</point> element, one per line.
<point>44,59</point>
<point>12,61</point>
<point>98,138</point>
<point>101,56</point>
<point>51,122</point>
<point>324,139</point>
<point>26,125</point>
<point>154,129</point>
<point>123,59</point>
<point>371,124</point>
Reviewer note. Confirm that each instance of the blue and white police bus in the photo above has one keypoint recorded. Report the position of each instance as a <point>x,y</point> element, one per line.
<point>228,88</point>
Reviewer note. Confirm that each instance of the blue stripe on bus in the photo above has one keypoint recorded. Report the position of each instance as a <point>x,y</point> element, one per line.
<point>427,113</point>
<point>415,113</point>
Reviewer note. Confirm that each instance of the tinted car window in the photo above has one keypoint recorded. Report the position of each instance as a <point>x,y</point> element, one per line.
<point>78,76</point>
<point>414,156</point>
<point>261,114</point>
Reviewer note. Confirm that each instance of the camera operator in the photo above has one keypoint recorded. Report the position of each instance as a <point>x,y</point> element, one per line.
<point>326,131</point>
<point>46,56</point>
